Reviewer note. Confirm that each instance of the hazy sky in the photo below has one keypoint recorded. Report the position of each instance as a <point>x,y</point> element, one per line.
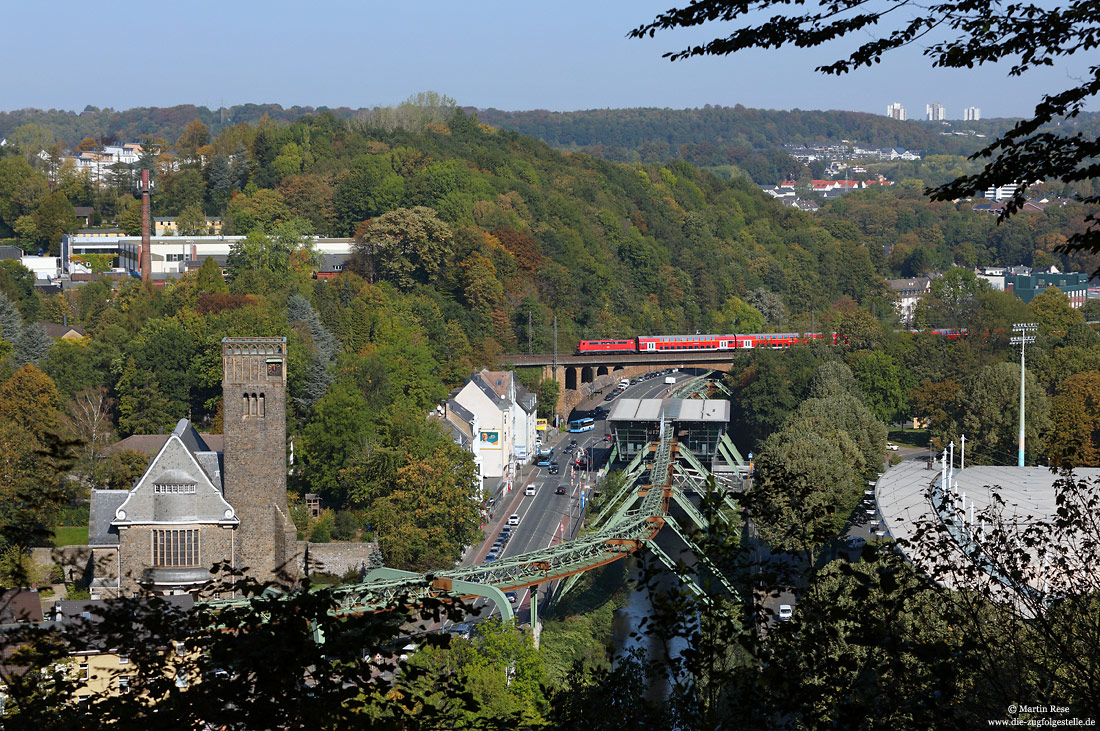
<point>563,55</point>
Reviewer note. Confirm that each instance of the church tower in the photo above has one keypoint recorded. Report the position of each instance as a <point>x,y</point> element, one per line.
<point>254,414</point>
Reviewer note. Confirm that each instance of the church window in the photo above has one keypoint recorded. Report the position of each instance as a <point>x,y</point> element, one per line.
<point>261,404</point>
<point>173,488</point>
<point>176,547</point>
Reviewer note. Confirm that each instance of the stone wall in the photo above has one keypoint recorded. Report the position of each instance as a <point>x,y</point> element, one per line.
<point>75,561</point>
<point>335,558</point>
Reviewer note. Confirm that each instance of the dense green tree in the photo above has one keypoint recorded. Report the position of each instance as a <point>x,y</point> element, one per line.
<point>989,415</point>
<point>337,431</point>
<point>258,211</point>
<point>405,246</point>
<point>1052,311</point>
<point>53,217</point>
<point>142,409</point>
<point>806,481</point>
<point>736,316</point>
<point>191,221</point>
<point>429,517</point>
<point>883,383</point>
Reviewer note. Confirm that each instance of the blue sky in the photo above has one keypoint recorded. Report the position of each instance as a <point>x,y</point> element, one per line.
<point>564,55</point>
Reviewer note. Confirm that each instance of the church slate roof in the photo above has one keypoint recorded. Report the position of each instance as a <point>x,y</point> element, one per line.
<point>184,460</point>
<point>103,506</point>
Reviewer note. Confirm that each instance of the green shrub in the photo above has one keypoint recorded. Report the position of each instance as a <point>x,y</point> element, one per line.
<point>73,514</point>
<point>344,526</point>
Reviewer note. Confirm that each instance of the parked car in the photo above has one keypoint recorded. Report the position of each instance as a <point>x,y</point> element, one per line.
<point>857,542</point>
<point>513,519</point>
<point>610,396</point>
<point>491,557</point>
<point>513,597</point>
<point>506,532</point>
<point>786,611</point>
<point>891,446</point>
<point>529,490</point>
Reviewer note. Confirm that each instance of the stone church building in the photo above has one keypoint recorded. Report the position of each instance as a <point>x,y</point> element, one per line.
<point>194,506</point>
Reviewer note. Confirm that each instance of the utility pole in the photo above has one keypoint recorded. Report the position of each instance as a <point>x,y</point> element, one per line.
<point>1025,333</point>
<point>555,346</point>
<point>962,449</point>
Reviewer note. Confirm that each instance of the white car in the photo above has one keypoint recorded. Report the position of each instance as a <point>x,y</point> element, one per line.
<point>529,490</point>
<point>786,611</point>
<point>513,519</point>
<point>891,446</point>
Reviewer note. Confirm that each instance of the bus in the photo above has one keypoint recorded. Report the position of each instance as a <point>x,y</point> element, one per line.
<point>578,425</point>
<point>546,456</point>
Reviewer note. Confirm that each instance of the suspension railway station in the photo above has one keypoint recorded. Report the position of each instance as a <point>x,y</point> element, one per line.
<point>668,449</point>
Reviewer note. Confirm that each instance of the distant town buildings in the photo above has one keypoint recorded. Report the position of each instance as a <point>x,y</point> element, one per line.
<point>171,255</point>
<point>846,151</point>
<point>1003,192</point>
<point>1026,282</point>
<point>935,112</point>
<point>896,111</point>
<point>972,114</point>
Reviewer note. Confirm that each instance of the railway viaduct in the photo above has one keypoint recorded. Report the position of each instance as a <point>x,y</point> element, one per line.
<point>581,376</point>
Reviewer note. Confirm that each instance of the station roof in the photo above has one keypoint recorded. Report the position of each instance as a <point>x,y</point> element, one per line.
<point>676,409</point>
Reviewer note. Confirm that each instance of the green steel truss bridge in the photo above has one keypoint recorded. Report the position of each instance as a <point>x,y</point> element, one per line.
<point>628,522</point>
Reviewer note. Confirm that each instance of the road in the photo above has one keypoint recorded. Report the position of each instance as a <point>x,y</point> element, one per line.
<point>547,518</point>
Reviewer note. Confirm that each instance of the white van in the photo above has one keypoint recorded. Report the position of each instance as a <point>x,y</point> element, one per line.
<point>624,383</point>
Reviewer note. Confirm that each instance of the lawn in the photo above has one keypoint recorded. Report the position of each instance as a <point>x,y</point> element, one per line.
<point>909,437</point>
<point>70,535</point>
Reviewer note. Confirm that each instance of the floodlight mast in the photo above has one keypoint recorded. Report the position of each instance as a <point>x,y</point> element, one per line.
<point>1025,334</point>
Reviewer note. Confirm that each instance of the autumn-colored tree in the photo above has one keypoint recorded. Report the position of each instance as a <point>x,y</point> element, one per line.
<point>936,404</point>
<point>524,246</point>
<point>29,402</point>
<point>195,135</point>
<point>1076,411</point>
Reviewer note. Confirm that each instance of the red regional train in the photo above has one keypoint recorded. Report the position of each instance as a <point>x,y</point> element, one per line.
<point>662,343</point>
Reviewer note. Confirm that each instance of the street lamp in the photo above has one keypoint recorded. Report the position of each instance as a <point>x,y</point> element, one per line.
<point>1025,333</point>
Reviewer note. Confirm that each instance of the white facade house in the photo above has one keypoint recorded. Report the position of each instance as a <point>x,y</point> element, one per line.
<point>506,418</point>
<point>935,112</point>
<point>907,292</point>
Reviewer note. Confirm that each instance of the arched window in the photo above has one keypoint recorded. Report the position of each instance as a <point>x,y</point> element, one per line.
<point>244,412</point>
<point>261,405</point>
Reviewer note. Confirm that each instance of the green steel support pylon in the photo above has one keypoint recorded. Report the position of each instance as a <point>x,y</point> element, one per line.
<point>700,554</point>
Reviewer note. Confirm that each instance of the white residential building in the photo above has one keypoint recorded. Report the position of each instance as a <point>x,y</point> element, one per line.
<point>972,114</point>
<point>506,419</point>
<point>935,112</point>
<point>907,292</point>
<point>896,111</point>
